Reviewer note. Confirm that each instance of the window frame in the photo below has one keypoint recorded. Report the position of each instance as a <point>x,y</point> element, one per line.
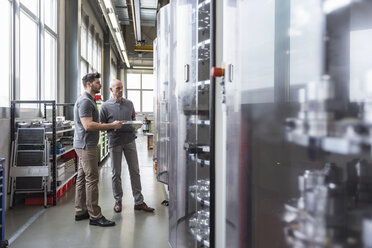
<point>140,89</point>
<point>92,61</point>
<point>5,109</point>
<point>15,10</point>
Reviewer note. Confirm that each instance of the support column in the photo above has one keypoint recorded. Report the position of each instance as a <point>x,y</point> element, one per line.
<point>72,52</point>
<point>106,66</point>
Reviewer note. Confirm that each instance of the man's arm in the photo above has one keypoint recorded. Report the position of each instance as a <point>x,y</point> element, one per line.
<point>90,125</point>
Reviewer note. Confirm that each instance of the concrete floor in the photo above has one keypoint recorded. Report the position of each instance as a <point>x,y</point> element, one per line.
<point>56,227</point>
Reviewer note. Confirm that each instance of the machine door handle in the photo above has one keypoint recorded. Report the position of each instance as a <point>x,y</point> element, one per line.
<point>231,72</point>
<point>186,73</point>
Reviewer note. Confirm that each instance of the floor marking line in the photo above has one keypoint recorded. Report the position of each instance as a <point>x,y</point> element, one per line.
<point>25,226</point>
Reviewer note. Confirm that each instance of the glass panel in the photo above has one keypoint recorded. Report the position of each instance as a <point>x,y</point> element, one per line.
<point>301,157</point>
<point>147,101</point>
<point>5,50</point>
<point>28,59</point>
<point>305,41</point>
<point>50,71</point>
<point>83,71</point>
<point>83,42</point>
<point>134,96</point>
<point>32,5</point>
<point>258,50</point>
<point>148,81</point>
<point>360,63</point>
<point>51,14</point>
<point>90,47</point>
<point>133,81</point>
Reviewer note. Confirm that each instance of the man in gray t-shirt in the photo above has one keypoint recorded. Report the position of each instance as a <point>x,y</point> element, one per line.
<point>85,144</point>
<point>122,140</point>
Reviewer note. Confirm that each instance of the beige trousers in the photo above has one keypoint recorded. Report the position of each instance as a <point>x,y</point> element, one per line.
<point>86,197</point>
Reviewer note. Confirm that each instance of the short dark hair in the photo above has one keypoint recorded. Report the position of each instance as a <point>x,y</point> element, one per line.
<point>90,77</point>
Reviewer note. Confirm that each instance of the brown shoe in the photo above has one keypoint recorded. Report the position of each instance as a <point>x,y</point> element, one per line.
<point>143,207</point>
<point>117,207</point>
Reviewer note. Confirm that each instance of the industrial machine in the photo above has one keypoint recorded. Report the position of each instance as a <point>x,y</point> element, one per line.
<point>185,112</point>
<point>297,94</point>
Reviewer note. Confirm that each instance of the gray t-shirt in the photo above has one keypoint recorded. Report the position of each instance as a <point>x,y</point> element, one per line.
<point>111,111</point>
<point>85,106</point>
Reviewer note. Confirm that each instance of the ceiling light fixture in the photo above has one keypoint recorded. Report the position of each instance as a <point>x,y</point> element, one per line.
<point>108,4</point>
<point>120,40</point>
<point>136,16</point>
<point>143,67</point>
<point>112,22</point>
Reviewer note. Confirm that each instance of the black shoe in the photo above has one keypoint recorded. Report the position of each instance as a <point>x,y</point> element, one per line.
<point>82,216</point>
<point>101,222</point>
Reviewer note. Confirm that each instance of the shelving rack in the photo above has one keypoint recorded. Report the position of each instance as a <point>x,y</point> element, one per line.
<point>55,190</point>
<point>103,149</point>
<point>102,146</point>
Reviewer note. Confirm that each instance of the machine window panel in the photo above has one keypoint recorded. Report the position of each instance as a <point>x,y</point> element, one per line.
<point>305,34</point>
<point>360,65</point>
<point>258,45</point>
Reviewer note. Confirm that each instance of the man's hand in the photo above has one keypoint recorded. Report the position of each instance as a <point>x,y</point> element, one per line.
<point>116,124</point>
